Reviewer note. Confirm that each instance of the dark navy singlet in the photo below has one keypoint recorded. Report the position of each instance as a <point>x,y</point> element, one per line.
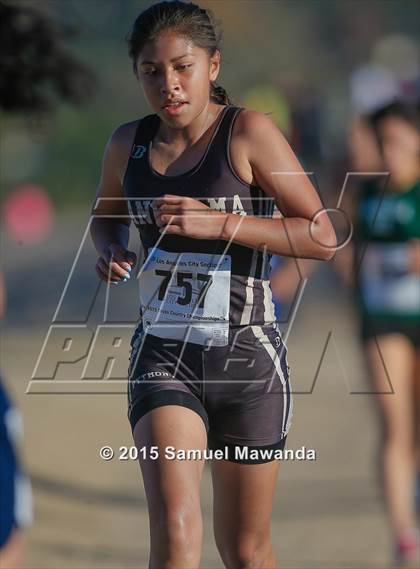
<point>213,182</point>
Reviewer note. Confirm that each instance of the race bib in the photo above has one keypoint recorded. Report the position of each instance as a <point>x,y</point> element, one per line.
<point>386,283</point>
<point>186,296</point>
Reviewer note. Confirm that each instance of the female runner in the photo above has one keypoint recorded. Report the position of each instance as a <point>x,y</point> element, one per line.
<point>208,366</point>
<point>387,235</point>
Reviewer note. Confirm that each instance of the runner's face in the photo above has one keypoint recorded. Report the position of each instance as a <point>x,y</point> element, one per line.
<point>401,149</point>
<point>172,67</point>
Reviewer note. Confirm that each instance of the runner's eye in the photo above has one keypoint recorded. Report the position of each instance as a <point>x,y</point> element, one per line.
<point>184,66</point>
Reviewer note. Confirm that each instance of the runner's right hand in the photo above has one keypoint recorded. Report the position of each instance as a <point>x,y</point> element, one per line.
<point>115,265</point>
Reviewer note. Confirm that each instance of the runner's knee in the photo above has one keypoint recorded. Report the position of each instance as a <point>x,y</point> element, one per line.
<point>175,532</point>
<point>246,551</point>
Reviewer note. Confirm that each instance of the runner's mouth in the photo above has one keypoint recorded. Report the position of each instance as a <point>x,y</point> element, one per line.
<point>174,108</point>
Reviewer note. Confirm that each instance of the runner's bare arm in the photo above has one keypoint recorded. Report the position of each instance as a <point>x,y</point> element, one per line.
<point>108,226</point>
<point>300,233</point>
<point>305,231</point>
<point>111,221</point>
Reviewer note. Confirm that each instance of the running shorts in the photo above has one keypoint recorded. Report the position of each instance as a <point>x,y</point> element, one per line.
<point>371,327</point>
<point>241,391</point>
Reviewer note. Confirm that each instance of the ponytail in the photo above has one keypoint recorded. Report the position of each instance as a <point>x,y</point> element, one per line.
<point>219,95</point>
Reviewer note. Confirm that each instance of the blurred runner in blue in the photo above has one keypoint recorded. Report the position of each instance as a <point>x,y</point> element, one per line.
<point>15,489</point>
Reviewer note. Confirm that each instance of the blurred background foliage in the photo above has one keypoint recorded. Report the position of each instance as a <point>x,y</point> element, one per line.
<point>306,49</point>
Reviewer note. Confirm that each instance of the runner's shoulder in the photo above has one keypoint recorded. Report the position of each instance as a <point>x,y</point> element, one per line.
<point>122,138</point>
<point>250,122</point>
<point>256,129</point>
<point>119,145</point>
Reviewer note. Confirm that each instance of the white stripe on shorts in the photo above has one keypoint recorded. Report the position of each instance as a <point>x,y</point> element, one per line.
<point>269,314</point>
<point>289,418</point>
<point>265,341</point>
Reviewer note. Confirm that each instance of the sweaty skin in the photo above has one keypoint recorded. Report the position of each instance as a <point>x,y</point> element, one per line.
<point>258,149</point>
<point>173,68</point>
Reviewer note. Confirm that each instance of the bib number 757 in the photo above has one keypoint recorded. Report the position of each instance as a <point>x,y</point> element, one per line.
<point>186,290</point>
<point>183,280</point>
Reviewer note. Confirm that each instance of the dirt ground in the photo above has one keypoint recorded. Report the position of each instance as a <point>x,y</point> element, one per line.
<point>91,514</point>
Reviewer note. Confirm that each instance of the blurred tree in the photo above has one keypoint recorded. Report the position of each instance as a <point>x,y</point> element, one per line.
<point>36,70</point>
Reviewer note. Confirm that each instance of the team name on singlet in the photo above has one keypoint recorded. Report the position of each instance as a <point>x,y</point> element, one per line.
<point>145,215</point>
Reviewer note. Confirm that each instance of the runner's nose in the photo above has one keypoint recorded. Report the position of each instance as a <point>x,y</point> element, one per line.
<point>169,83</point>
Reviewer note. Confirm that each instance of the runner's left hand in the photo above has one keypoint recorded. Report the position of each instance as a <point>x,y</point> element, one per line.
<point>178,215</point>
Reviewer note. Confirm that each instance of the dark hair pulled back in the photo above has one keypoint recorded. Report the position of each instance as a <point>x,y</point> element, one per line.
<point>186,19</point>
<point>403,110</point>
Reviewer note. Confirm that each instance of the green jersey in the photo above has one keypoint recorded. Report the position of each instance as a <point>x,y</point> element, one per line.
<point>386,221</point>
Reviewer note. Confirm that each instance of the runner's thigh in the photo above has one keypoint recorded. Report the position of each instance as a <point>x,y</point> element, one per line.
<point>171,485</point>
<point>243,500</point>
